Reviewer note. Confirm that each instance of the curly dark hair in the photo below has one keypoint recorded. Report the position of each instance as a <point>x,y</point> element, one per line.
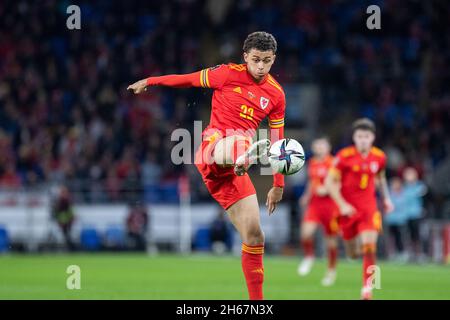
<point>260,40</point>
<point>363,124</point>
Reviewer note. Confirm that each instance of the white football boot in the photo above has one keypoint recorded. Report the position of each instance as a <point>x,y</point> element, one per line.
<point>305,266</point>
<point>366,293</point>
<point>329,278</point>
<point>257,150</point>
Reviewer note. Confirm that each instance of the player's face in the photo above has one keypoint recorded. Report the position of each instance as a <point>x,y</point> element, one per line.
<point>410,175</point>
<point>321,148</point>
<point>259,62</point>
<point>363,140</point>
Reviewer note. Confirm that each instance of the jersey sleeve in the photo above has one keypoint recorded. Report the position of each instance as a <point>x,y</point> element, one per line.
<point>214,77</point>
<point>276,116</point>
<point>276,125</point>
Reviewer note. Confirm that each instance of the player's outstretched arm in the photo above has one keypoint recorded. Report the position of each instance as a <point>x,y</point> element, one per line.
<point>171,80</point>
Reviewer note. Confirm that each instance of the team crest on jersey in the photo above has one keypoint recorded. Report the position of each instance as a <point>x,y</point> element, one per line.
<point>264,102</point>
<point>374,166</point>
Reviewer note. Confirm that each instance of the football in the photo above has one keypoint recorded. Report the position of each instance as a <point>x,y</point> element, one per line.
<point>286,156</point>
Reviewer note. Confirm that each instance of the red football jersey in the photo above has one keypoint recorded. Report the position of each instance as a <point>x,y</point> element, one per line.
<point>317,172</point>
<point>239,102</point>
<point>358,176</point>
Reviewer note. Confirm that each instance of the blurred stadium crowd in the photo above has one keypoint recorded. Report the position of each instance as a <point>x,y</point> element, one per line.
<point>65,114</point>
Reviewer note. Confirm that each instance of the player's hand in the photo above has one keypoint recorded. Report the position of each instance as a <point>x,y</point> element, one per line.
<point>346,209</point>
<point>138,87</point>
<point>388,205</point>
<point>273,197</point>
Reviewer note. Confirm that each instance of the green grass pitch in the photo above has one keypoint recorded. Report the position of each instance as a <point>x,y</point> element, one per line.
<point>135,276</point>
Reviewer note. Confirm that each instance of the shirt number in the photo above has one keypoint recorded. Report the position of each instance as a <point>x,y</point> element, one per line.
<point>364,181</point>
<point>247,113</point>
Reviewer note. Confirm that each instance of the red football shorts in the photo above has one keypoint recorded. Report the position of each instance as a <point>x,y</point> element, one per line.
<point>362,220</point>
<point>324,212</point>
<point>222,183</point>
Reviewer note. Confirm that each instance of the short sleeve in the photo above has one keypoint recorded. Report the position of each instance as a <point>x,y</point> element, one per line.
<point>214,77</point>
<point>276,116</point>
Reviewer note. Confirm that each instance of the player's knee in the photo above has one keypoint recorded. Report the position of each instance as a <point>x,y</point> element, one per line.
<point>305,236</point>
<point>254,236</point>
<point>369,248</point>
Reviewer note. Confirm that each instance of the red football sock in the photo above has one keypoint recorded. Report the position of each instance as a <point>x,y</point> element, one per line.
<point>332,258</point>
<point>308,248</point>
<point>252,265</point>
<point>369,258</point>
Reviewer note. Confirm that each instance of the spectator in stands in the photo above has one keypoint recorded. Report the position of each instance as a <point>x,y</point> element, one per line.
<point>396,220</point>
<point>137,226</point>
<point>414,190</point>
<point>62,213</point>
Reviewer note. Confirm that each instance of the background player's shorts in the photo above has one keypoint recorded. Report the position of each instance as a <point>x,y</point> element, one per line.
<point>222,183</point>
<point>326,214</point>
<point>362,220</point>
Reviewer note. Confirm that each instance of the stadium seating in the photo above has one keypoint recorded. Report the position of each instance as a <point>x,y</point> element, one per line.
<point>90,239</point>
<point>114,238</point>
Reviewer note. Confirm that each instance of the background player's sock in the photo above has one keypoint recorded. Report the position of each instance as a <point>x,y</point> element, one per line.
<point>332,258</point>
<point>252,266</point>
<point>308,248</point>
<point>369,257</point>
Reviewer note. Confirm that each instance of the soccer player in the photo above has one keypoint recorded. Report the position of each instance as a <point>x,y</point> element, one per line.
<point>244,94</point>
<point>351,182</point>
<point>320,211</point>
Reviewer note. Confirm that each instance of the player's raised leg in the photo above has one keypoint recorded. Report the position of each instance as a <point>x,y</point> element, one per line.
<point>307,242</point>
<point>244,215</point>
<point>239,151</point>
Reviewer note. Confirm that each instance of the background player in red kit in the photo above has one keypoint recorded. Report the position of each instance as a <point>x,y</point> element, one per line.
<point>320,210</point>
<point>351,183</point>
<point>244,94</point>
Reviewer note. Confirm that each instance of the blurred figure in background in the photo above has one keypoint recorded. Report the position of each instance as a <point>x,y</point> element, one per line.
<point>397,219</point>
<point>220,234</point>
<point>62,213</point>
<point>137,224</point>
<point>414,190</point>
<point>319,210</point>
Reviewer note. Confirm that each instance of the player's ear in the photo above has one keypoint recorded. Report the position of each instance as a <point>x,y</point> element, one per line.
<point>245,56</point>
